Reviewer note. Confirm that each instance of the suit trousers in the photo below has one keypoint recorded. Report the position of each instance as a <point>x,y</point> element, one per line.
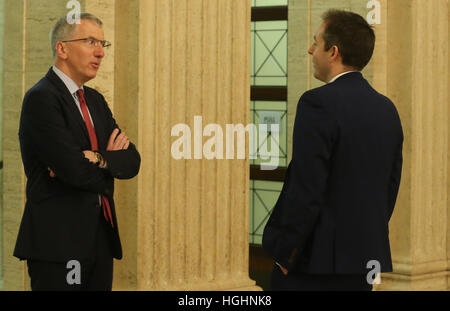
<point>96,274</point>
<point>317,282</point>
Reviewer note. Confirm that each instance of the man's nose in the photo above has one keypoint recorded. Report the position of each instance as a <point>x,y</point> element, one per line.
<point>99,51</point>
<point>310,51</point>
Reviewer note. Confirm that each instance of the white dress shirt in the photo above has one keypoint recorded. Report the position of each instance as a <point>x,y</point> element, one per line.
<point>339,75</point>
<point>73,88</point>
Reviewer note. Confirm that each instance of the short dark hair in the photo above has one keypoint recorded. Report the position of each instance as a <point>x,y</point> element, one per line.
<point>353,36</point>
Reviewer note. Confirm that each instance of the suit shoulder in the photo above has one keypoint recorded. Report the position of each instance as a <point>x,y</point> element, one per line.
<point>93,92</point>
<point>329,89</point>
<point>42,87</point>
<point>43,91</point>
<point>386,100</point>
<point>317,97</point>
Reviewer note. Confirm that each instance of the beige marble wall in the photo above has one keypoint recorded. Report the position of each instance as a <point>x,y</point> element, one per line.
<point>104,82</point>
<point>12,167</point>
<point>26,44</point>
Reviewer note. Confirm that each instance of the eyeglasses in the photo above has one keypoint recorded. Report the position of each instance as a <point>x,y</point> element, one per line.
<point>92,42</point>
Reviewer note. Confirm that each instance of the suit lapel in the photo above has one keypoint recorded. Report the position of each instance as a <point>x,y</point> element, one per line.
<point>69,101</point>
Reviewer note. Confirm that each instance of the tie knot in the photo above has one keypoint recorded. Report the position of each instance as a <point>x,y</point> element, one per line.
<point>80,93</point>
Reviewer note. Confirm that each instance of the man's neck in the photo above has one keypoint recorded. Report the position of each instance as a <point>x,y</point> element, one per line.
<point>61,66</point>
<point>337,71</point>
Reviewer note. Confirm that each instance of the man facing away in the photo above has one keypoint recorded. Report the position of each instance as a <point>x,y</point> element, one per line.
<point>72,149</point>
<point>330,223</point>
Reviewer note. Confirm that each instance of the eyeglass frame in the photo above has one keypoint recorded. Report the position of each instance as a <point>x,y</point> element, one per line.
<point>104,43</point>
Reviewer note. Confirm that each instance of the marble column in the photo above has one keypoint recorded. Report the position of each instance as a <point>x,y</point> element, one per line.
<point>192,218</point>
<point>413,54</point>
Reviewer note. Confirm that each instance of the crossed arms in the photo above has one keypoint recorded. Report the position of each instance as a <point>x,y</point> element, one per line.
<point>116,142</point>
<point>44,135</point>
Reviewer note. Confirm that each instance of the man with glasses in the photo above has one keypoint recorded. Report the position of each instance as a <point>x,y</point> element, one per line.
<point>72,149</point>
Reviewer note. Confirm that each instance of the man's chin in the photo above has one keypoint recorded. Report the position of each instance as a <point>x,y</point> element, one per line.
<point>317,76</point>
<point>92,75</point>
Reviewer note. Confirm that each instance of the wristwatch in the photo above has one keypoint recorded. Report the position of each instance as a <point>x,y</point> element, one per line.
<point>99,158</point>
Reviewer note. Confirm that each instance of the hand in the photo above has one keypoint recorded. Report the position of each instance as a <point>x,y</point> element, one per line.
<point>120,142</point>
<point>283,269</point>
<point>90,155</point>
<point>52,175</point>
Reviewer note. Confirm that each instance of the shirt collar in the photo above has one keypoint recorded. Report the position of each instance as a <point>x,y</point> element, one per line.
<point>69,83</point>
<point>339,75</point>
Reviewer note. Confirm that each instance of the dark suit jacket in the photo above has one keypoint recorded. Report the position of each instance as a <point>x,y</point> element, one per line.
<point>61,214</point>
<point>341,185</point>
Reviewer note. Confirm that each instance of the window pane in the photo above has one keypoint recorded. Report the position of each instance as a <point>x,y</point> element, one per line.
<point>269,53</point>
<point>263,196</point>
<point>269,2</point>
<point>277,140</point>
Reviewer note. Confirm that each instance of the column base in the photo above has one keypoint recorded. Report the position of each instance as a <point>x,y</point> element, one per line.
<point>437,281</point>
<point>215,285</point>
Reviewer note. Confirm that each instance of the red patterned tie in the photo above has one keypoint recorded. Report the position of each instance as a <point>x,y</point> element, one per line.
<point>94,146</point>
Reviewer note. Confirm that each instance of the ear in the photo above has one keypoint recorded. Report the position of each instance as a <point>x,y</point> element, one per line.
<point>61,50</point>
<point>335,52</point>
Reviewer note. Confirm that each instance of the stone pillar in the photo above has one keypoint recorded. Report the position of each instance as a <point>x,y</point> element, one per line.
<point>127,112</point>
<point>413,59</point>
<point>2,23</point>
<point>192,219</point>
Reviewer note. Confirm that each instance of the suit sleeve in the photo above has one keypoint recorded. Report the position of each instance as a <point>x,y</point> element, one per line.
<point>121,164</point>
<point>314,131</point>
<point>396,174</point>
<point>43,127</point>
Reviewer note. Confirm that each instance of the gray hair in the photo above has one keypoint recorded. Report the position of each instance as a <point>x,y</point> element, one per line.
<point>63,30</point>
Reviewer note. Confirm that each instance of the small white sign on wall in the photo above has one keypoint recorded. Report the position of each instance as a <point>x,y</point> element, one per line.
<point>270,117</point>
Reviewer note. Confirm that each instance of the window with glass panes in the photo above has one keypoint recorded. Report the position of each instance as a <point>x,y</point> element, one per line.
<point>268,97</point>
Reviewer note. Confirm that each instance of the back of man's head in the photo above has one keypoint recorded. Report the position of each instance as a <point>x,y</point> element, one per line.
<point>353,36</point>
<point>64,30</point>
